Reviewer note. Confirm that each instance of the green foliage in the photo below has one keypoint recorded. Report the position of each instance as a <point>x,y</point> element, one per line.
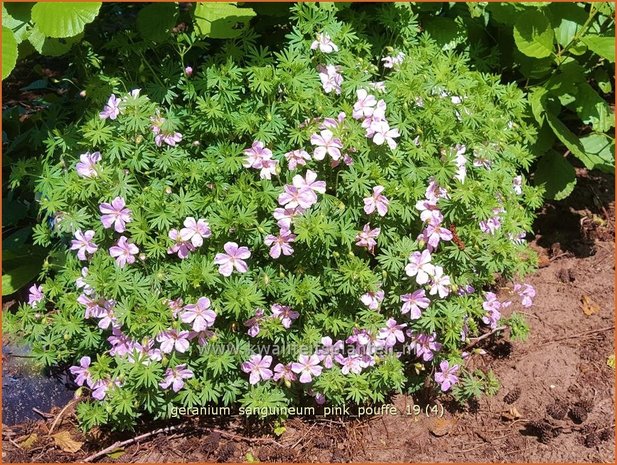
<point>562,54</point>
<point>264,86</point>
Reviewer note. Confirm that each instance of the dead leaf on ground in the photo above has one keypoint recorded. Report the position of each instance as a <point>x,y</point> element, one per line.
<point>589,306</point>
<point>65,441</point>
<point>441,426</point>
<point>511,415</point>
<point>28,441</point>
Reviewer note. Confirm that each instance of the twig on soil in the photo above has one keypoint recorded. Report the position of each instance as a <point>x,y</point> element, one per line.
<point>45,415</point>
<point>55,422</point>
<point>475,340</point>
<point>586,333</point>
<point>169,429</point>
<point>303,437</point>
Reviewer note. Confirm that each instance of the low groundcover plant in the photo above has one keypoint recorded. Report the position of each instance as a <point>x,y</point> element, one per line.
<point>349,199</point>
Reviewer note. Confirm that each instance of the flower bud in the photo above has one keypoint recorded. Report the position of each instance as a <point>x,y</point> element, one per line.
<point>188,71</point>
<point>168,190</point>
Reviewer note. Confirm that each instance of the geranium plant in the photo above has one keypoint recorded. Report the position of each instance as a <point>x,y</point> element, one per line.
<point>317,223</point>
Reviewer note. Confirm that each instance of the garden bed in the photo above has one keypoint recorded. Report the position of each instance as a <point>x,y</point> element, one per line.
<point>562,369</point>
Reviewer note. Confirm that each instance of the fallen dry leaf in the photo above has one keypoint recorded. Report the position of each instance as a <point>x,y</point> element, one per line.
<point>64,441</point>
<point>589,306</point>
<point>511,415</point>
<point>441,426</point>
<point>28,441</point>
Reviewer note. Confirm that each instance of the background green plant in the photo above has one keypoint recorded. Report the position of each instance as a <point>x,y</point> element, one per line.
<point>562,54</point>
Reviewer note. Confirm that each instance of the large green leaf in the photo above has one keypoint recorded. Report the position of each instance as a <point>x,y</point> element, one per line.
<point>445,31</point>
<point>50,46</point>
<point>9,51</point>
<point>601,149</point>
<point>221,20</point>
<point>17,19</point>
<point>556,174</point>
<point>568,19</point>
<point>21,262</point>
<point>155,21</point>
<point>603,46</point>
<point>533,34</point>
<point>591,108</point>
<point>64,19</point>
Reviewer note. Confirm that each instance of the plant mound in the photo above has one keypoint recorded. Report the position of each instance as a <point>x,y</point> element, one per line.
<point>320,223</point>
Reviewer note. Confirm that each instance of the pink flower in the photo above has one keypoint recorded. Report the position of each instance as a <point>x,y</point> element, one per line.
<point>280,244</point>
<point>285,373</point>
<point>326,144</point>
<point>173,339</point>
<point>365,105</point>
<point>329,350</point>
<point>382,133</point>
<point>366,238</point>
<point>392,333</point>
<point>332,123</point>
<point>116,214</point>
<point>355,363</point>
<point>491,225</point>
<point>309,182</point>
<point>292,197</point>
<point>331,79</point>
<point>83,244</point>
<point>195,231</point>
<point>424,345</point>
<point>100,388</point>
<point>175,377</point>
<point>440,283</point>
<point>86,166</point>
<point>171,138</point>
<point>93,307</point>
<point>199,314</point>
<point>324,43</point>
<point>296,158</point>
<point>182,247</point>
<point>285,215</point>
<point>121,344</point>
<point>256,155</point>
<point>435,233</point>
<point>372,299</point>
<point>268,168</point>
<point>105,313</point>
<point>175,306</point>
<point>414,303</point>
<point>285,314</point>
<point>447,376</point>
<point>234,258</point>
<point>124,252</point>
<point>35,295</point>
<point>188,71</point>
<point>420,266</point>
<point>429,211</point>
<point>376,201</point>
<point>82,372</point>
<point>517,185</point>
<point>80,283</point>
<point>258,367</point>
<point>112,109</point>
<point>253,323</point>
<point>307,367</point>
<point>434,192</point>
<point>527,294</point>
<point>201,336</point>
<point>390,62</point>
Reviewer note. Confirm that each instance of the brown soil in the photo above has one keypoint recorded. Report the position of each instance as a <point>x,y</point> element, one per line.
<point>556,403</point>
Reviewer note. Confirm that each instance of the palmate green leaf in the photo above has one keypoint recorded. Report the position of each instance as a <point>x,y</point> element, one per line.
<point>64,19</point>
<point>220,20</point>
<point>556,174</point>
<point>9,51</point>
<point>533,34</point>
